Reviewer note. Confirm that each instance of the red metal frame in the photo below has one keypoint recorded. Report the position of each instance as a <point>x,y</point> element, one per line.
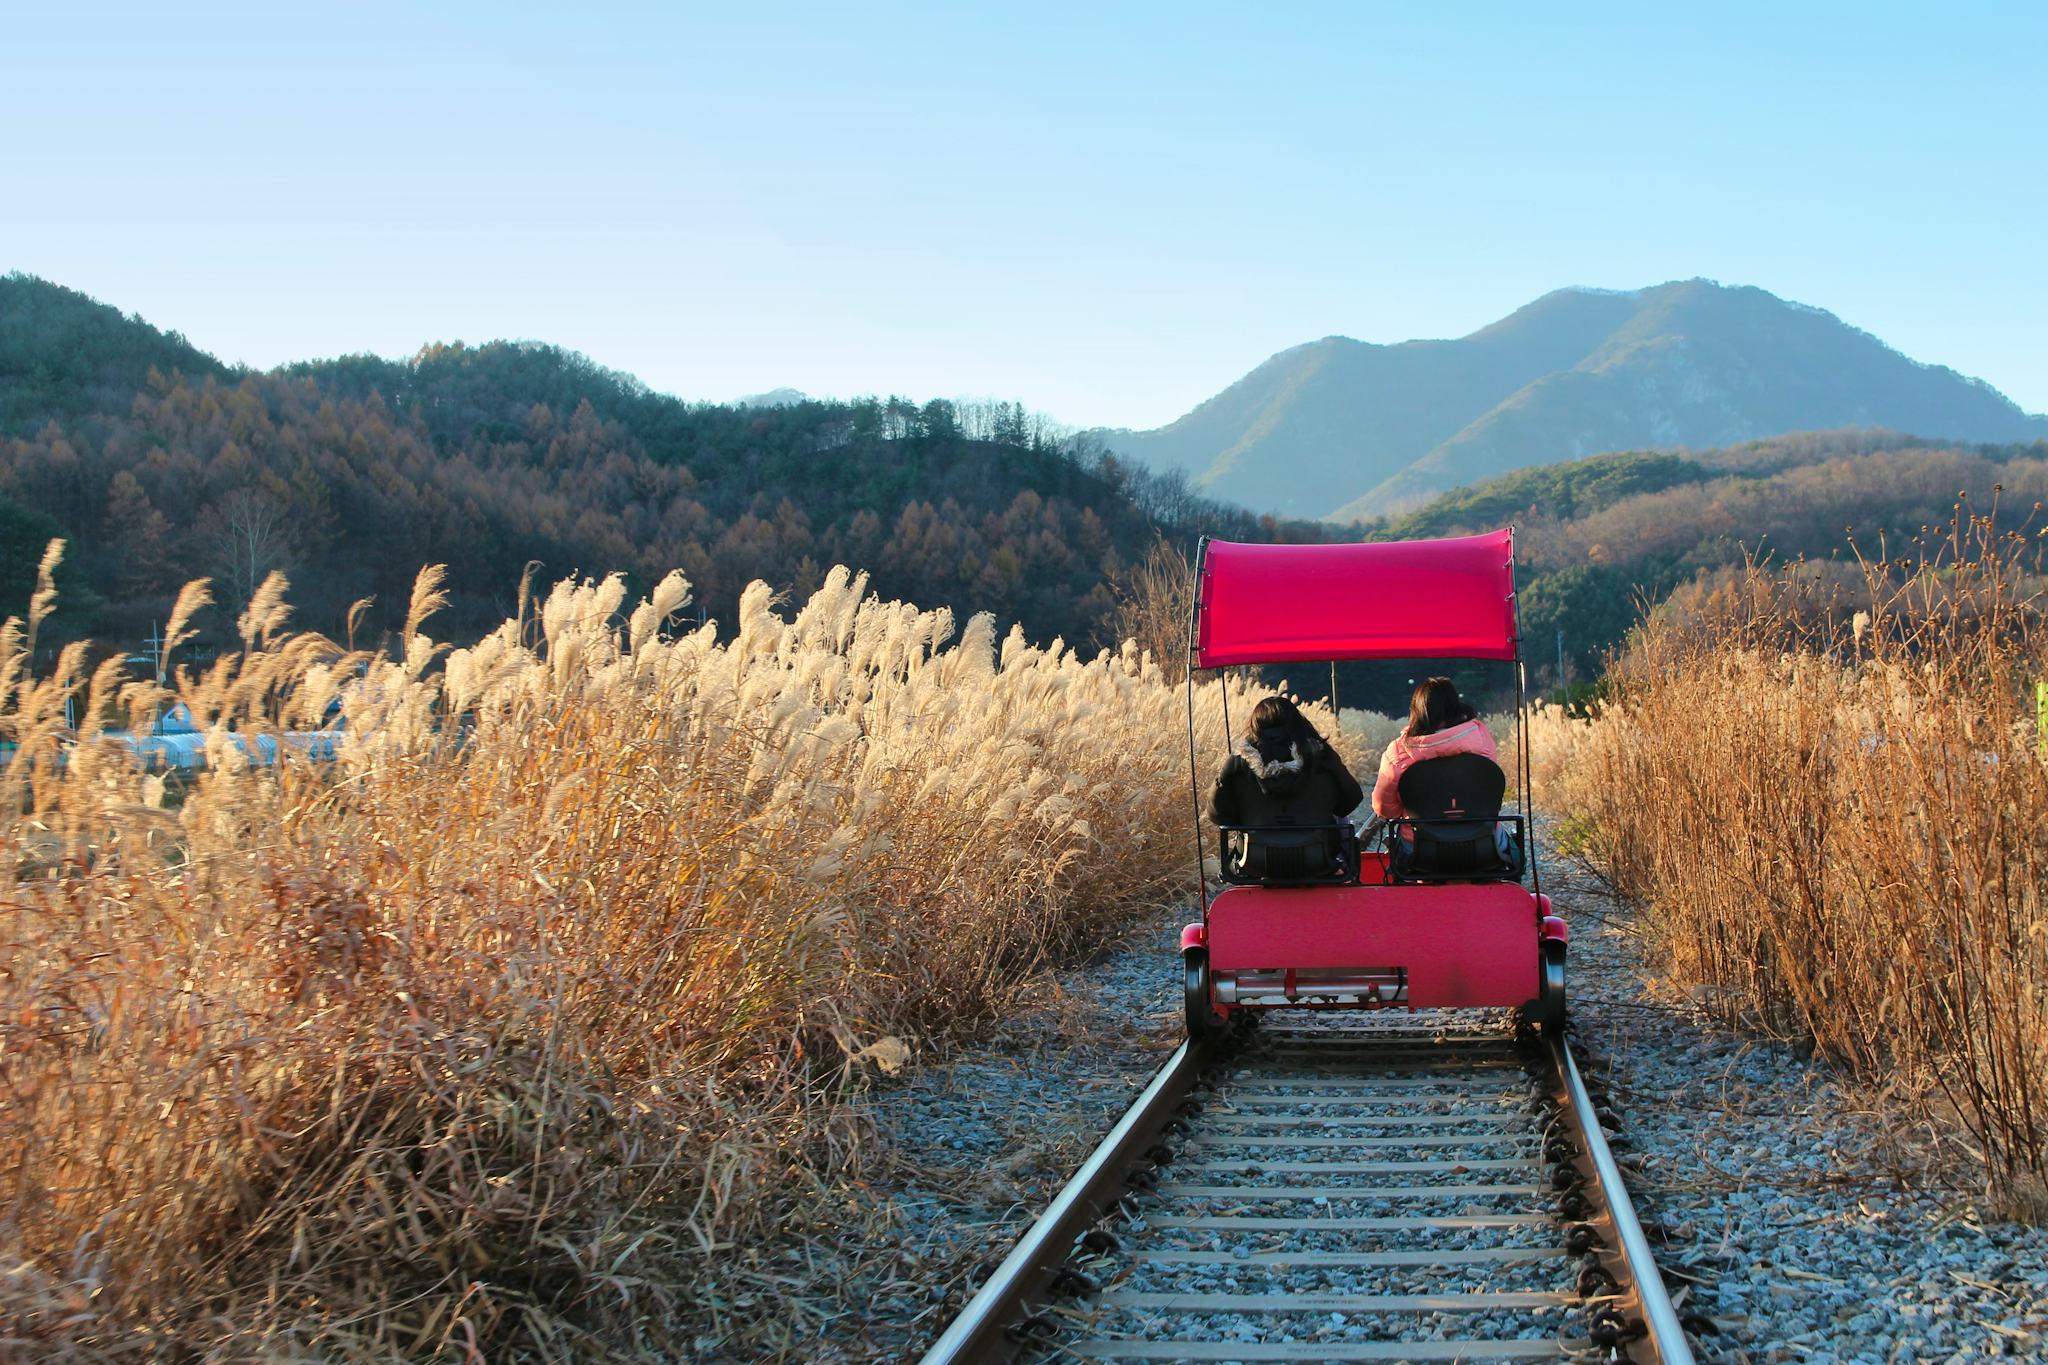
<point>1464,945</point>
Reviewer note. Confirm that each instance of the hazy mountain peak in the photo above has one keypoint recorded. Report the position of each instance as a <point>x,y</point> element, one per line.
<point>774,398</point>
<point>1358,429</point>
<point>1597,290</point>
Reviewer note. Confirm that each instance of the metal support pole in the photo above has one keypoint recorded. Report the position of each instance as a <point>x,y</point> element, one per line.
<point>1525,778</point>
<point>1194,767</point>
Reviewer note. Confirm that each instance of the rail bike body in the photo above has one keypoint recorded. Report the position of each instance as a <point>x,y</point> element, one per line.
<point>1446,910</point>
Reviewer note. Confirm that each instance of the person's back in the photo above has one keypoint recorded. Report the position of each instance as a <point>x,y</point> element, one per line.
<point>1281,796</point>
<point>1447,759</point>
<point>1283,773</point>
<point>1440,724</point>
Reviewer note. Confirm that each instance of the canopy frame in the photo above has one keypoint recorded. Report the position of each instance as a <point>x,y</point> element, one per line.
<point>1507,649</point>
<point>1444,598</point>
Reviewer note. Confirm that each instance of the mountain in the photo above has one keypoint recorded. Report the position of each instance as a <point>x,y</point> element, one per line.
<point>62,353</point>
<point>1355,430</point>
<point>775,398</point>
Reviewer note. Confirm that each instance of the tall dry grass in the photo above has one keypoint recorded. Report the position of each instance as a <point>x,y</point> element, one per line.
<point>1835,805</point>
<point>516,1030</point>
<point>1154,600</point>
<point>1560,740</point>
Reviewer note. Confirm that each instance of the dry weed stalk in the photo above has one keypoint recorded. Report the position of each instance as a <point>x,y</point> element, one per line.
<point>1837,807</point>
<point>515,1030</point>
<point>1154,601</point>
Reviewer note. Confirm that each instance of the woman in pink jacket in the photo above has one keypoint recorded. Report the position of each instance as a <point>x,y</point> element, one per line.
<point>1440,723</point>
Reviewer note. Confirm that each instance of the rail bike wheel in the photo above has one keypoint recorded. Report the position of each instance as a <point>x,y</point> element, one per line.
<point>1204,1023</point>
<point>1550,994</point>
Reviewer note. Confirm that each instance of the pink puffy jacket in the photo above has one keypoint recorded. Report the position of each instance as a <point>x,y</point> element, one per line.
<point>1404,753</point>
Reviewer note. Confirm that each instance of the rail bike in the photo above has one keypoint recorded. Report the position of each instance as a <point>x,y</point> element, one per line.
<point>1433,912</point>
<point>1188,1213</point>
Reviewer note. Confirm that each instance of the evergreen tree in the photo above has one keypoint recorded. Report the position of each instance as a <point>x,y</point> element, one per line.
<point>139,536</point>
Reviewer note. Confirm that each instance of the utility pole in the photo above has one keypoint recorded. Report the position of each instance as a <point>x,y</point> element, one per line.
<point>1560,659</point>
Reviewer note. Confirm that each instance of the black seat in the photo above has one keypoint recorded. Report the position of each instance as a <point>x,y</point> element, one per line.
<point>1453,805</point>
<point>1290,855</point>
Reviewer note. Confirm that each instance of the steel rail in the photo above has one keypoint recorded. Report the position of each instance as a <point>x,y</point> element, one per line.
<point>1665,1337</point>
<point>988,1328</point>
<point>981,1332</point>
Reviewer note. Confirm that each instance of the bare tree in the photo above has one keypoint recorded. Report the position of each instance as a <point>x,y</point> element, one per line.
<point>249,535</point>
<point>1165,495</point>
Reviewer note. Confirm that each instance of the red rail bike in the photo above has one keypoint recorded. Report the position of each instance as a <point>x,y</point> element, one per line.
<point>1440,909</point>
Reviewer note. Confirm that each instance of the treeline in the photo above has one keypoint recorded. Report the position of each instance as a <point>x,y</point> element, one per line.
<point>63,355</point>
<point>159,464</point>
<point>349,474</point>
<point>1599,538</point>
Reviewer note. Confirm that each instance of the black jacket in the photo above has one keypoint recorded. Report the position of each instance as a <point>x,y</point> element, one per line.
<point>1270,781</point>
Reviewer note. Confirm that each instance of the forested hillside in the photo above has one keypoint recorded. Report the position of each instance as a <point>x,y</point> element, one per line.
<point>1599,537</point>
<point>159,465</point>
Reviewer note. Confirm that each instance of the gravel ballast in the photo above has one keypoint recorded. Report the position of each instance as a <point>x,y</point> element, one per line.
<point>1795,1225</point>
<point>974,1148</point>
<point>1448,1244</point>
<point>1815,1230</point>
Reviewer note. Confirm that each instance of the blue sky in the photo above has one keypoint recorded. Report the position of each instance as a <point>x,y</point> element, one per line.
<point>1107,211</point>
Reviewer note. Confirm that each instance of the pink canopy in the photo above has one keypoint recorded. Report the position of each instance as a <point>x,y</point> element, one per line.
<point>1402,599</point>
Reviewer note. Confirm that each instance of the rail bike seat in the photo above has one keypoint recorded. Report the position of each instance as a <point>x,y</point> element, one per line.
<point>1290,855</point>
<point>1451,830</point>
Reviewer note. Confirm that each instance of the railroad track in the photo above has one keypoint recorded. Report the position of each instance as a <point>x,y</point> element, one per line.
<point>1339,1188</point>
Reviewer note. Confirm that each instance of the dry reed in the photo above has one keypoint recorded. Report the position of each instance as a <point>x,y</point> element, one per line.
<point>1834,803</point>
<point>516,1030</point>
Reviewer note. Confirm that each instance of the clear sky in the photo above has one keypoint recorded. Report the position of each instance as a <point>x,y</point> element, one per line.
<point>1108,211</point>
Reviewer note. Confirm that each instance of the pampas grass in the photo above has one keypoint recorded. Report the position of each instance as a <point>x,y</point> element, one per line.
<point>519,1028</point>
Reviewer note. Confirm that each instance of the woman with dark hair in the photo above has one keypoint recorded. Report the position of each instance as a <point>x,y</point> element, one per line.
<point>1440,723</point>
<point>1283,773</point>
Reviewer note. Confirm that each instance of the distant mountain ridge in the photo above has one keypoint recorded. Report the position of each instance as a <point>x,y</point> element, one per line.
<point>1356,430</point>
<point>1596,537</point>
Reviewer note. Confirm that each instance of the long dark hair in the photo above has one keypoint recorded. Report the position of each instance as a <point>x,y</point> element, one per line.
<point>1436,706</point>
<point>1278,713</point>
